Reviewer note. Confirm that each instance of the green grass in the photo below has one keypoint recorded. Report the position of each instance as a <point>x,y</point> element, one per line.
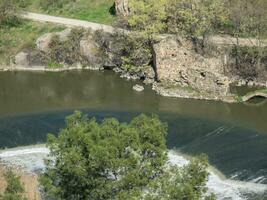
<point>15,39</point>
<point>90,10</point>
<point>54,65</point>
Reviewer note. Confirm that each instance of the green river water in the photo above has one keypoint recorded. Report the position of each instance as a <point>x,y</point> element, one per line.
<point>234,136</point>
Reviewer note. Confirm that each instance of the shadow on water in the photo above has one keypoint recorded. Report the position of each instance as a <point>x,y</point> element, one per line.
<point>238,152</point>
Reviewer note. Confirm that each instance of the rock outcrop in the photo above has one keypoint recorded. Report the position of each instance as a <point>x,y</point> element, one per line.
<point>22,59</point>
<point>180,67</point>
<point>42,43</point>
<point>90,50</point>
<point>122,7</point>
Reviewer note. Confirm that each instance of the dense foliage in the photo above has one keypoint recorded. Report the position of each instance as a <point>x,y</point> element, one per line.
<point>14,188</point>
<point>198,17</point>
<point>132,52</point>
<point>113,160</point>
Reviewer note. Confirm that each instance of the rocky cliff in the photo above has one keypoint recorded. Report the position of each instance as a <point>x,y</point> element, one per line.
<point>178,70</point>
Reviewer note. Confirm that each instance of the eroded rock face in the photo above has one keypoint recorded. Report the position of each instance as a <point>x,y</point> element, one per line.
<point>122,7</point>
<point>177,64</point>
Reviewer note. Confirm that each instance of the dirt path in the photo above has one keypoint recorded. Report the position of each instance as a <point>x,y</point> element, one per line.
<point>67,21</point>
<point>219,40</point>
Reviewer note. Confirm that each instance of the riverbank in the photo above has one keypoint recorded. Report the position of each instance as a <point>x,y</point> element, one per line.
<point>174,92</point>
<point>179,70</point>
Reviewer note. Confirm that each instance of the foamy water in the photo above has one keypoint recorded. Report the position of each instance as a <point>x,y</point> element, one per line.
<point>32,160</point>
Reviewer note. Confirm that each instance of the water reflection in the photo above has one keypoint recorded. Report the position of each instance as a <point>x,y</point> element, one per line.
<point>26,92</point>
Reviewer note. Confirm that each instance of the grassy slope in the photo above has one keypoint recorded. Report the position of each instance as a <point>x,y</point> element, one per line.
<point>15,39</point>
<point>90,10</point>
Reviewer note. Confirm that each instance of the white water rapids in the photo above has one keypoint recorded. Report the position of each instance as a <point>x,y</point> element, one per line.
<point>32,159</point>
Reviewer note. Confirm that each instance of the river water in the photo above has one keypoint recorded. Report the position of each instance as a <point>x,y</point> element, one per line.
<point>234,136</point>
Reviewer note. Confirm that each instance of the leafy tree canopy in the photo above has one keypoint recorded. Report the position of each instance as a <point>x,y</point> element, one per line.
<point>113,160</point>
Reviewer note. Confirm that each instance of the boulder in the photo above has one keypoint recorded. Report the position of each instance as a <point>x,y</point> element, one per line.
<point>138,88</point>
<point>42,43</point>
<point>90,50</point>
<point>122,7</point>
<point>177,63</point>
<point>63,35</point>
<point>22,59</point>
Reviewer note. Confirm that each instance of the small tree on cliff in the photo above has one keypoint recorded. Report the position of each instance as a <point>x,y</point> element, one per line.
<point>112,160</point>
<point>195,18</point>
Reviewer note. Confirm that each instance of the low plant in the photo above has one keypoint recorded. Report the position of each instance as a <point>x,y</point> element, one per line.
<point>67,51</point>
<point>14,188</point>
<point>54,65</point>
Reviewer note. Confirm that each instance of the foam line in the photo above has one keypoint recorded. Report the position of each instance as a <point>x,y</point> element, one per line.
<point>32,158</point>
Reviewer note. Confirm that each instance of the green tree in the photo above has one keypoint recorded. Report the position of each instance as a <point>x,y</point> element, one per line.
<point>113,160</point>
<point>14,188</point>
<point>195,17</point>
<point>179,184</point>
<point>147,16</point>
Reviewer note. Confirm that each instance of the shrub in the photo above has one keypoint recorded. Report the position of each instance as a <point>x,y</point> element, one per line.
<point>9,15</point>
<point>131,52</point>
<point>14,188</point>
<point>250,62</point>
<point>67,51</point>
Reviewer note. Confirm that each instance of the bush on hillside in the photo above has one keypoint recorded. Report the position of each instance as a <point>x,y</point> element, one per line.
<point>67,51</point>
<point>9,13</point>
<point>131,52</point>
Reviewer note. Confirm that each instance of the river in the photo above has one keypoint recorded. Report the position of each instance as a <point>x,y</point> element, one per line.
<point>234,136</point>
